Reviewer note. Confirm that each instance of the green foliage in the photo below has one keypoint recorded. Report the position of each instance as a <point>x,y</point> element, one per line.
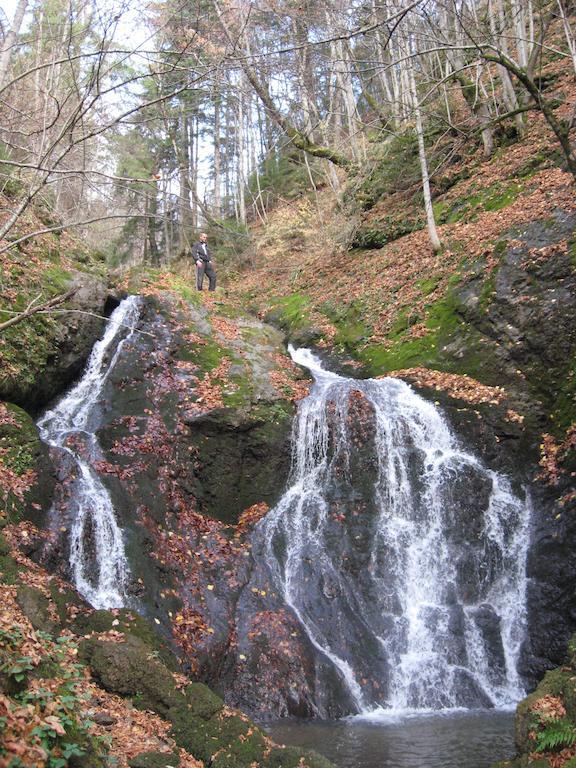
<point>12,665</point>
<point>56,727</point>
<point>556,735</point>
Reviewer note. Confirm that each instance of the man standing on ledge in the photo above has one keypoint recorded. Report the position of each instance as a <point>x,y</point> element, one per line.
<point>204,263</point>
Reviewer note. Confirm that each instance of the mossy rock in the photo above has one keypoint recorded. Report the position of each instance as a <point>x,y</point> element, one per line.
<point>64,598</point>
<point>22,452</point>
<point>201,701</point>
<point>47,670</point>
<point>9,569</point>
<point>131,669</point>
<point>558,683</point>
<point>130,624</point>
<point>222,742</point>
<point>291,757</point>
<point>35,607</point>
<point>155,760</point>
<point>94,752</point>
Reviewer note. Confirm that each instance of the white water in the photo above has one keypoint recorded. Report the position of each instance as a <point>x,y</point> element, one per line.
<point>439,603</point>
<point>97,556</point>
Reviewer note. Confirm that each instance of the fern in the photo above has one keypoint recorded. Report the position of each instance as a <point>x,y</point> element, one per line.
<point>557,735</point>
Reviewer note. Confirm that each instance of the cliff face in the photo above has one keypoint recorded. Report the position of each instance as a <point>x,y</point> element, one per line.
<point>193,422</point>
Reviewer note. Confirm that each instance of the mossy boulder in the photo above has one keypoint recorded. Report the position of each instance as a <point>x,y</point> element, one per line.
<point>559,683</point>
<point>130,668</point>
<point>65,598</point>
<point>292,757</point>
<point>35,606</point>
<point>24,454</point>
<point>155,760</point>
<point>130,624</point>
<point>201,724</point>
<point>9,569</point>
<point>46,353</point>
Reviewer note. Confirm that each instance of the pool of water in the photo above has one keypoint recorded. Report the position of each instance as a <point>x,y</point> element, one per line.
<point>471,739</point>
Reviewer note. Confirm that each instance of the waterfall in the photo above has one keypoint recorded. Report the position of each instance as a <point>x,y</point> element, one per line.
<point>97,557</point>
<point>400,553</point>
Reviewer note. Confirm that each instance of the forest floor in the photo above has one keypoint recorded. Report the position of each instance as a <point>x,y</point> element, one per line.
<point>303,247</point>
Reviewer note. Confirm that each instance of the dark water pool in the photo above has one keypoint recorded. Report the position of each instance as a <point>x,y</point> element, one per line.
<point>456,740</point>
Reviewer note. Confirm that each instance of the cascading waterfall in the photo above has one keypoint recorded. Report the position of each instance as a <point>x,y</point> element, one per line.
<point>411,583</point>
<point>97,557</point>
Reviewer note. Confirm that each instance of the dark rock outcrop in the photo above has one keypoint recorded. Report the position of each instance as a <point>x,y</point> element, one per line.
<point>63,347</point>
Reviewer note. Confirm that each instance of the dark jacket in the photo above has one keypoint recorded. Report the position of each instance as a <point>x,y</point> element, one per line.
<point>198,252</point>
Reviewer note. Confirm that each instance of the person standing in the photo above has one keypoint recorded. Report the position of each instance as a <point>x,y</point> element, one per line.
<point>204,263</point>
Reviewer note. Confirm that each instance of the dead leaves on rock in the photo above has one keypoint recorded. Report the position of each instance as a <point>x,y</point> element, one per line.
<point>458,386</point>
<point>553,456</point>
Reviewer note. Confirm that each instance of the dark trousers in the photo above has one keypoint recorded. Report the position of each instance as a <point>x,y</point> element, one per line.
<point>208,270</point>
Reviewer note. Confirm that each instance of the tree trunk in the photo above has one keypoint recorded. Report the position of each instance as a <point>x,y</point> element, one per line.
<point>297,137</point>
<point>10,39</point>
<point>432,231</point>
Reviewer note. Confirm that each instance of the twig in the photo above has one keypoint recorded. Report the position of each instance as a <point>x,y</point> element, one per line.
<point>32,310</point>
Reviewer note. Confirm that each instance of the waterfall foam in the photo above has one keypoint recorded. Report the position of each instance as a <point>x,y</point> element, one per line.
<point>411,583</point>
<point>97,557</point>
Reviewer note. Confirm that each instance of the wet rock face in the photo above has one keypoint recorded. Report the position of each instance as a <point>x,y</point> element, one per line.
<point>241,461</point>
<point>527,315</point>
<point>550,600</point>
<point>173,467</point>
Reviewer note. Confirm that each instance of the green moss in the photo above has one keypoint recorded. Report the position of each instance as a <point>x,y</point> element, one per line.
<point>495,199</point>
<point>155,760</point>
<point>63,599</point>
<point>389,228</point>
<point>404,320</point>
<point>351,328</point>
<point>428,285</point>
<point>130,624</point>
<point>531,166</point>
<point>222,742</point>
<point>9,569</point>
<point>563,408</point>
<point>492,198</point>
<point>443,320</point>
<point>201,701</point>
<point>487,293</point>
<point>206,355</point>
<point>20,447</point>
<point>291,313</point>
<point>572,252</point>
<point>242,394</point>
<point>393,166</point>
<point>56,278</point>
